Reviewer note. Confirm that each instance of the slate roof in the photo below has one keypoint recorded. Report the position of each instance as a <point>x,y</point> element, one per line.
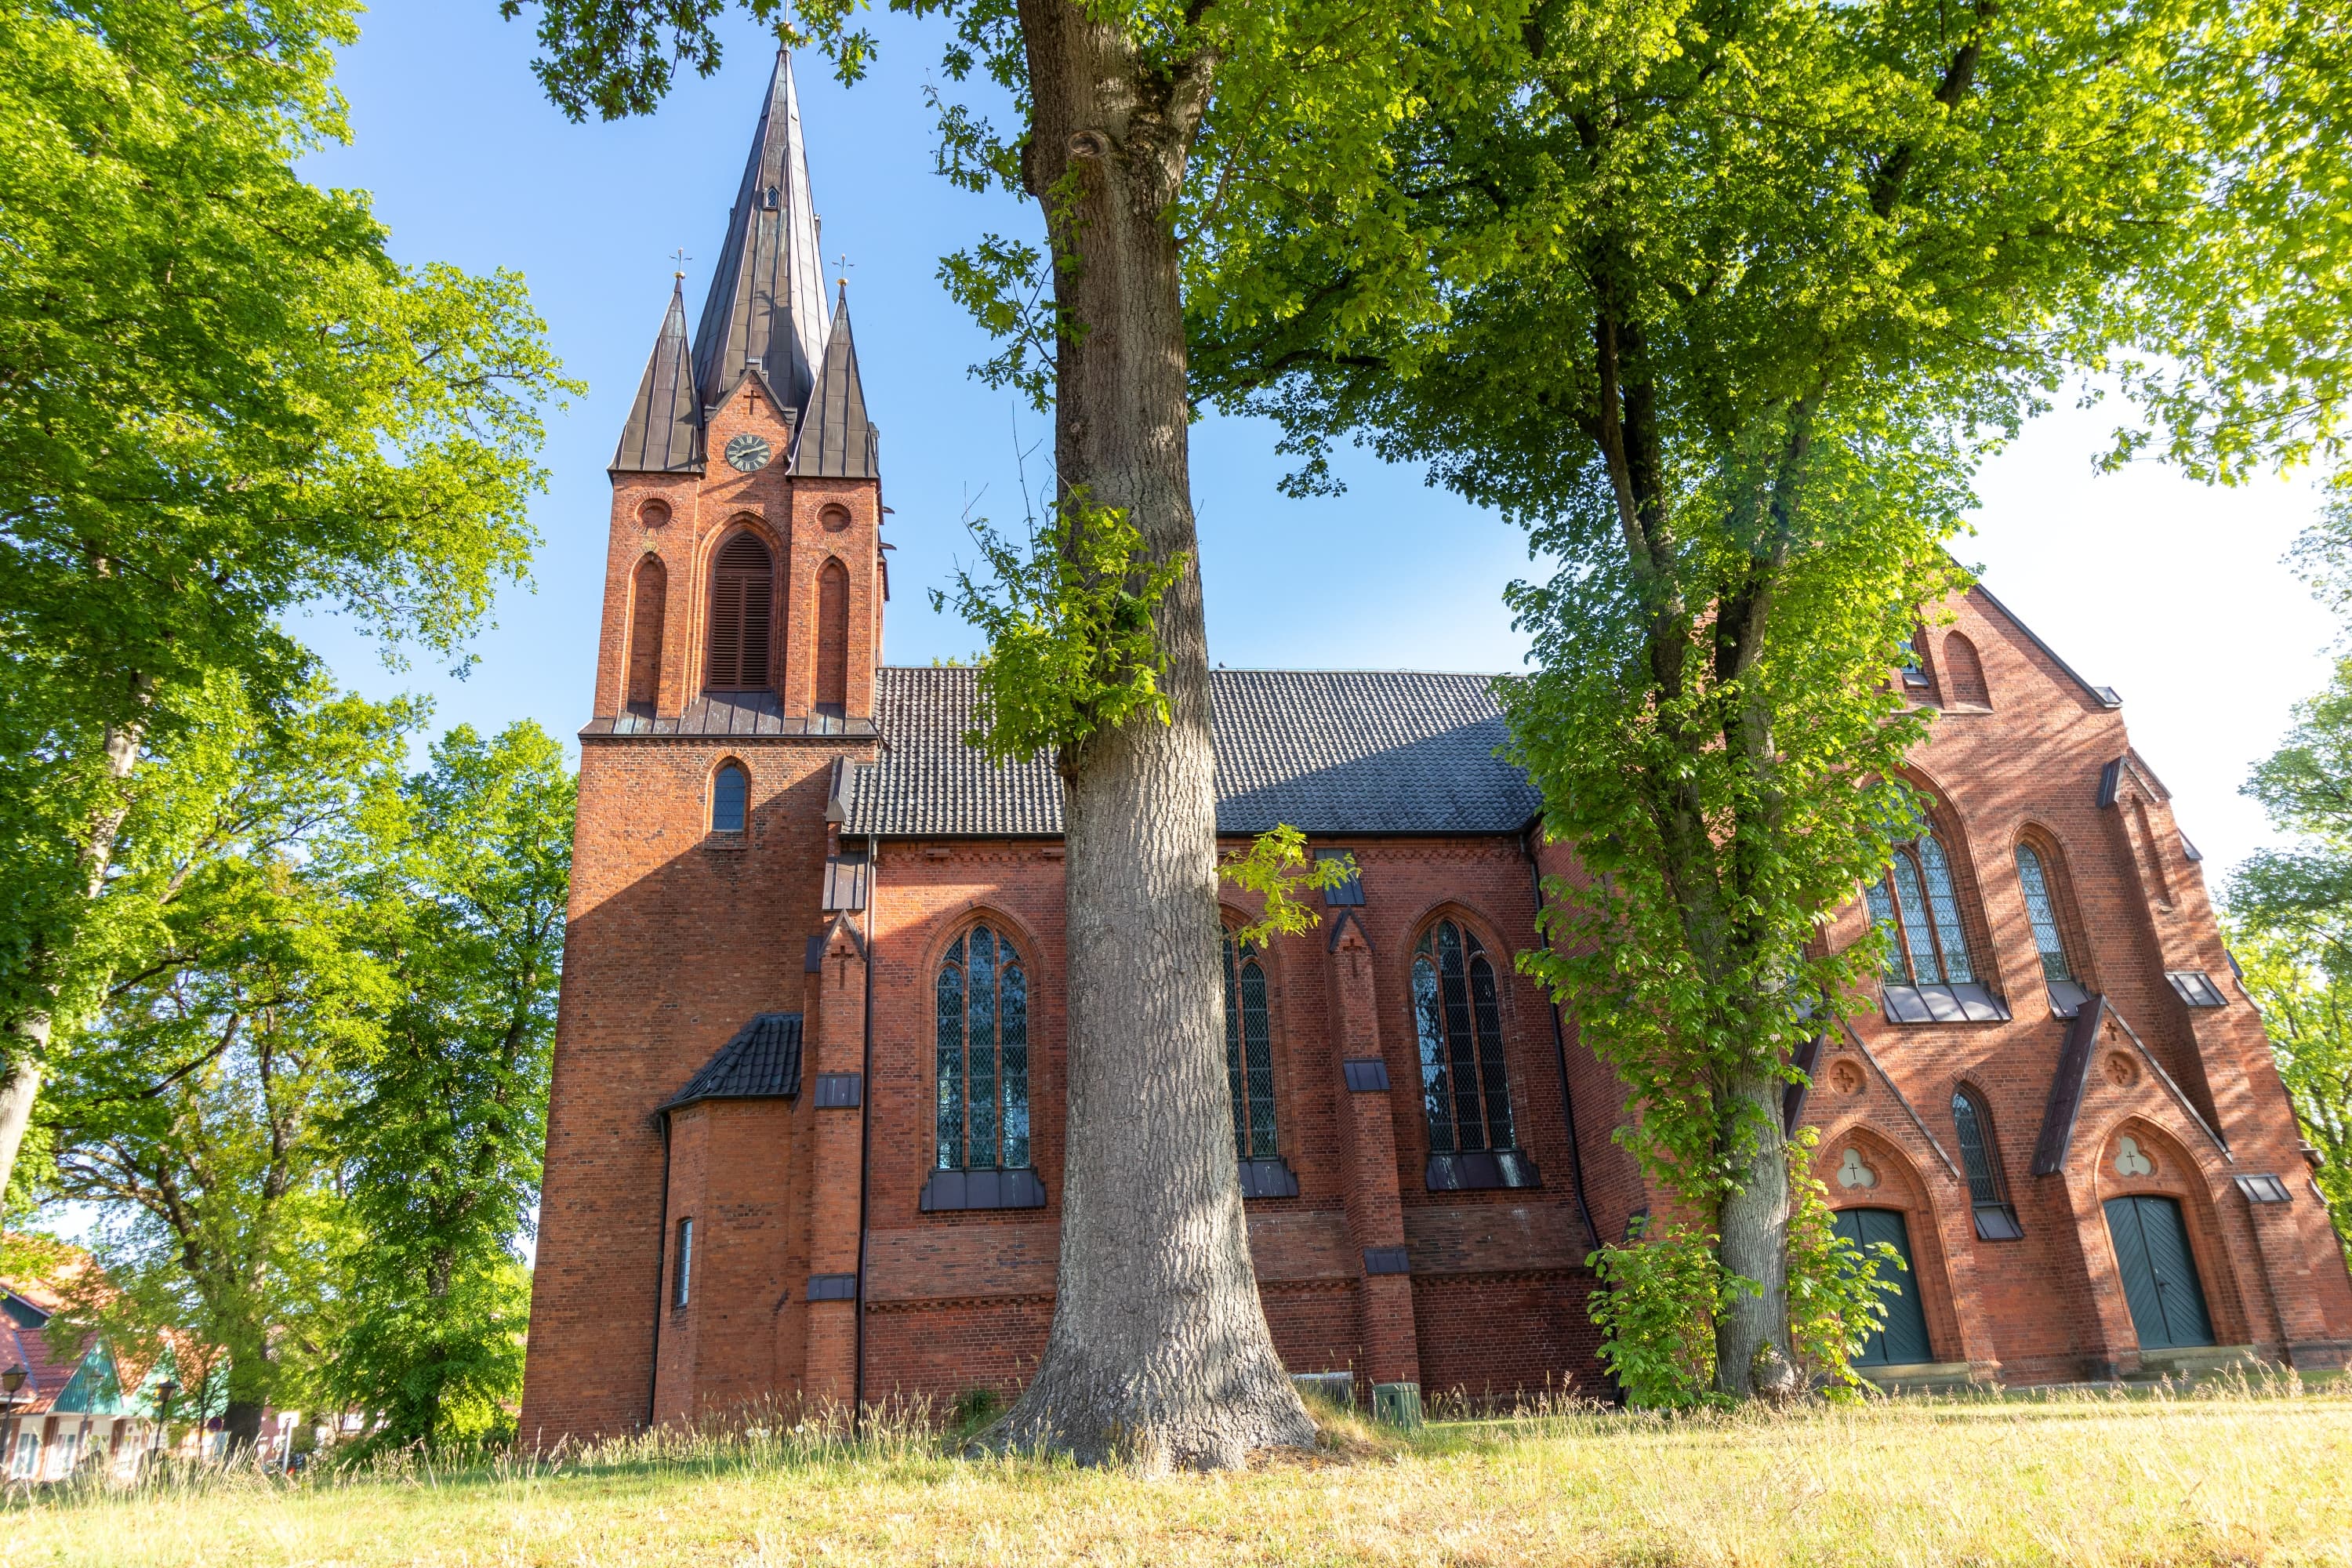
<point>767,305</point>
<point>761,1062</point>
<point>664,435</point>
<point>837,441</point>
<point>1327,751</point>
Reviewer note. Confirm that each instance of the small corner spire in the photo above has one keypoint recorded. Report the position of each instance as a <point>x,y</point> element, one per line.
<point>663,433</point>
<point>836,439</point>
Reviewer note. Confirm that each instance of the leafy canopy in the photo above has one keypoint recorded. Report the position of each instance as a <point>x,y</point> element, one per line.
<point>220,400</point>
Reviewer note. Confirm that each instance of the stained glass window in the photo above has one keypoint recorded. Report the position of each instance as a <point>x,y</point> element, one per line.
<point>1457,1018</point>
<point>2042,914</point>
<point>730,788</point>
<point>1249,1052</point>
<point>1916,906</point>
<point>982,995</point>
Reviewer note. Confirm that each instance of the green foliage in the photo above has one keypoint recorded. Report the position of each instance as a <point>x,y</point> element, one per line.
<point>195,1107</point>
<point>1072,644</point>
<point>311,1107</point>
<point>1838,1291</point>
<point>1276,868</point>
<point>1662,1290</point>
<point>1725,303</point>
<point>464,873</point>
<point>2303,1001</point>
<point>2290,928</point>
<point>220,399</point>
<point>1655,1309</point>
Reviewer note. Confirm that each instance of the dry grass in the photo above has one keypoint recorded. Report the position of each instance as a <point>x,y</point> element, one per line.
<point>2243,1475</point>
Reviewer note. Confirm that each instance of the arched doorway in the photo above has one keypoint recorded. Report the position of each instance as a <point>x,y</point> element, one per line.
<point>1902,1340</point>
<point>2160,1283</point>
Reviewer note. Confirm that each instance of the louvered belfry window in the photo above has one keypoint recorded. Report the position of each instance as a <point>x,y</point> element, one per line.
<point>742,591</point>
<point>1918,907</point>
<point>982,994</point>
<point>1249,1051</point>
<point>1457,1013</point>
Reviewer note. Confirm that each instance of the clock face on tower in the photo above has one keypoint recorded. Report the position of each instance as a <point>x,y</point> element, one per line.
<point>748,452</point>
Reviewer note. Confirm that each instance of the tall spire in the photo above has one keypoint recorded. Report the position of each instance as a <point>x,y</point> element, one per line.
<point>836,441</point>
<point>766,308</point>
<point>664,435</point>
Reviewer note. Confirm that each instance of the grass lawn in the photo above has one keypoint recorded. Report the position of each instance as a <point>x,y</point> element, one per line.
<point>2236,1476</point>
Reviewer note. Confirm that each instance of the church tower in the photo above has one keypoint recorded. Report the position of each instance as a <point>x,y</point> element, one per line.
<point>744,582</point>
<point>735,683</point>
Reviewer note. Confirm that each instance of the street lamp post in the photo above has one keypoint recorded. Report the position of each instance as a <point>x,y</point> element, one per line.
<point>11,1381</point>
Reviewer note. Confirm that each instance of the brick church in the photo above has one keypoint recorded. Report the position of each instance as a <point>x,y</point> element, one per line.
<point>805,1137</point>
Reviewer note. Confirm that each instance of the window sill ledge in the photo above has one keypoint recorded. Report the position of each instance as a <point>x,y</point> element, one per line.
<point>1271,1178</point>
<point>1483,1171</point>
<point>1966,1004</point>
<point>955,1192</point>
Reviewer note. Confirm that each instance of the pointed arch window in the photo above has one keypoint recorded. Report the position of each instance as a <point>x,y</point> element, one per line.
<point>1930,975</point>
<point>1464,1091</point>
<point>1249,1071</point>
<point>1249,1051</point>
<point>1916,905</point>
<point>980,1149</point>
<point>2035,878</point>
<point>1981,1158</point>
<point>742,595</point>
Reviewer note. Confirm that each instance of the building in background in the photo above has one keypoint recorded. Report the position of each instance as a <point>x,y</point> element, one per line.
<point>805,1133</point>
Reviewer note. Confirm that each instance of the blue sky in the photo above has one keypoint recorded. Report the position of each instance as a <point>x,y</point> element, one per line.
<point>2173,594</point>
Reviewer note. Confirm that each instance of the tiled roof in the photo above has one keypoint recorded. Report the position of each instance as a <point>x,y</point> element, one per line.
<point>1327,751</point>
<point>761,1062</point>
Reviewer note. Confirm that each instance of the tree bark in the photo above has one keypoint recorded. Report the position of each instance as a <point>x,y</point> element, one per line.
<point>27,1037</point>
<point>241,1420</point>
<point>1160,1354</point>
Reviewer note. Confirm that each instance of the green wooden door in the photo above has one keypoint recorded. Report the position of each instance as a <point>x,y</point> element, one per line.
<point>1902,1340</point>
<point>2167,1303</point>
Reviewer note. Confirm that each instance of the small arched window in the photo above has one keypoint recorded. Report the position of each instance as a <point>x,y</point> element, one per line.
<point>1981,1158</point>
<point>1458,1018</point>
<point>731,793</point>
<point>833,640</point>
<point>743,587</point>
<point>982,995</point>
<point>1963,673</point>
<point>1916,905</point>
<point>1249,1051</point>
<point>648,611</point>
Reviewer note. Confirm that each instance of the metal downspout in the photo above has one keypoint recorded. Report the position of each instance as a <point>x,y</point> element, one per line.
<point>865,1147</point>
<point>661,1260</point>
<point>1559,1057</point>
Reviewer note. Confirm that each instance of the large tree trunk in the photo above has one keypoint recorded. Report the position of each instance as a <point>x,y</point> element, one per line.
<point>27,1038</point>
<point>1160,1354</point>
<point>1751,1332</point>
